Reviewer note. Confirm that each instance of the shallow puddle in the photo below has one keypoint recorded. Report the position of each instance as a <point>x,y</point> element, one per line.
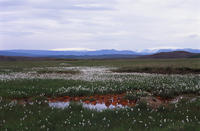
<point>60,105</point>
<point>103,102</point>
<point>98,102</point>
<point>98,107</point>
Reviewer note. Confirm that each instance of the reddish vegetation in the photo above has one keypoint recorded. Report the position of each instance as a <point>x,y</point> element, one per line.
<point>98,99</point>
<point>110,99</point>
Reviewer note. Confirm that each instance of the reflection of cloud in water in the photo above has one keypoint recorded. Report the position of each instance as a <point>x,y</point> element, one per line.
<point>60,105</point>
<point>98,107</point>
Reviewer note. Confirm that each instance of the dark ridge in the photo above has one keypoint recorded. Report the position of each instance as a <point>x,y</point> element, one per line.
<point>196,56</point>
<point>22,58</point>
<point>168,55</point>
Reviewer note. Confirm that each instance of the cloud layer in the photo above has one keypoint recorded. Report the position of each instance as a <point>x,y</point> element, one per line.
<point>111,24</point>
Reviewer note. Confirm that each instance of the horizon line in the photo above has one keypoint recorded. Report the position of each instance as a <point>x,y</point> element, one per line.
<point>87,49</point>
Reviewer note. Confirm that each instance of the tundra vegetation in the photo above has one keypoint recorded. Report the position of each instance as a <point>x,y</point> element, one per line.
<point>110,95</point>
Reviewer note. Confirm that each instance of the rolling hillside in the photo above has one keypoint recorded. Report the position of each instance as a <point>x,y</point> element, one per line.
<point>168,55</point>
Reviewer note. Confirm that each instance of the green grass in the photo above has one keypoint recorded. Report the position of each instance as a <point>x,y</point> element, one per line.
<point>136,95</point>
<point>164,86</point>
<point>181,116</point>
<point>158,70</point>
<point>58,71</point>
<point>191,63</point>
<point>31,64</point>
<point>184,116</point>
<point>11,70</point>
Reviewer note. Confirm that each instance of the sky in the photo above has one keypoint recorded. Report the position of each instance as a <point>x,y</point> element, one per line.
<point>99,24</point>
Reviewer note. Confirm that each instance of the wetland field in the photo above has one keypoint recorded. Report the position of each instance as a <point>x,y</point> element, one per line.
<point>101,95</point>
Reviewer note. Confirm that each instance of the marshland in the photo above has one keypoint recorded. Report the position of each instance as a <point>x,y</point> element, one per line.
<point>115,95</point>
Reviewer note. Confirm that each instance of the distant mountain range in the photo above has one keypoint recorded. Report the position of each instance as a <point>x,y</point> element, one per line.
<point>103,54</point>
<point>47,53</point>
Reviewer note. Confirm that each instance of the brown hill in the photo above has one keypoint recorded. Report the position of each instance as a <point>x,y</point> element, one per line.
<point>21,58</point>
<point>168,55</point>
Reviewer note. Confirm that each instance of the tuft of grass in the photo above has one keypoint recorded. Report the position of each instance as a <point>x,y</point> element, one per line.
<point>166,94</point>
<point>135,95</point>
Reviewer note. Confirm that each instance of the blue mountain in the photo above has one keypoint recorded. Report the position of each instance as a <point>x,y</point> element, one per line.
<point>45,53</point>
<point>112,52</point>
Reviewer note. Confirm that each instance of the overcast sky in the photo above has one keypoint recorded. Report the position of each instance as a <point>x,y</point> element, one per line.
<point>99,24</point>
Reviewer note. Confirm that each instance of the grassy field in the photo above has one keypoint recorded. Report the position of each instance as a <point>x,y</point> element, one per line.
<point>163,101</point>
<point>191,63</point>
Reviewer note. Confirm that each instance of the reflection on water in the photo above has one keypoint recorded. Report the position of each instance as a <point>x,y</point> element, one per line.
<point>60,105</point>
<point>98,102</point>
<point>98,107</point>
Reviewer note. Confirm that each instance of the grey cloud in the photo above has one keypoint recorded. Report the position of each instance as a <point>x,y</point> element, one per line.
<point>15,34</point>
<point>120,24</point>
<point>194,36</point>
<point>11,3</point>
<point>58,5</point>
